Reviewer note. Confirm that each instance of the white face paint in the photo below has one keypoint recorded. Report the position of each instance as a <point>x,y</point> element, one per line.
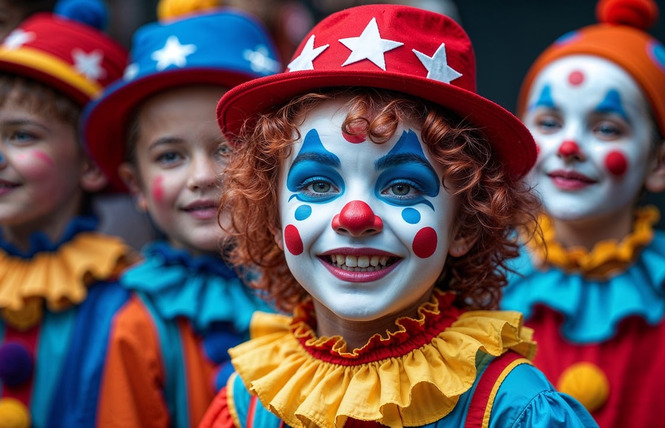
<point>365,226</point>
<point>593,129</point>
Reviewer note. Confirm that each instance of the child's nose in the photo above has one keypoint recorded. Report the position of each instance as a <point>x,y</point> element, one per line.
<point>203,174</point>
<point>569,149</point>
<point>357,219</point>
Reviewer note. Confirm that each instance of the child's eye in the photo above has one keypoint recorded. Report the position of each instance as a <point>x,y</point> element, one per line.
<point>548,124</point>
<point>402,190</point>
<point>168,158</point>
<point>22,137</point>
<point>607,130</point>
<point>319,187</point>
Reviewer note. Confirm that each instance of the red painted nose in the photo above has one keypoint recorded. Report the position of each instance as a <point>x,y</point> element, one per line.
<point>357,219</point>
<point>569,148</point>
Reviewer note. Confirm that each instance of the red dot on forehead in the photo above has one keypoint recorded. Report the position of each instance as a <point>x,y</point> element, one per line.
<point>354,139</point>
<point>576,78</point>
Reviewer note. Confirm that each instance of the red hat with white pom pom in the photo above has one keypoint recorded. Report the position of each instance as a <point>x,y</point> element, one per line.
<point>620,37</point>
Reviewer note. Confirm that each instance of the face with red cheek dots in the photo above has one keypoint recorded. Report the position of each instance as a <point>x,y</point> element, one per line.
<point>366,227</point>
<point>593,127</point>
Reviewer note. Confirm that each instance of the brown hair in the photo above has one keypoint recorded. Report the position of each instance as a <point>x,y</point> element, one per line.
<point>492,205</point>
<point>38,98</point>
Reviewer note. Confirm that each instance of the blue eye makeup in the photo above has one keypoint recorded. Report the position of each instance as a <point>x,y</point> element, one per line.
<point>544,99</point>
<point>314,175</point>
<point>612,104</point>
<point>406,176</point>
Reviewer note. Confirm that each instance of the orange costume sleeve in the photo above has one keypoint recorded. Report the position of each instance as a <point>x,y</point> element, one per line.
<point>131,391</point>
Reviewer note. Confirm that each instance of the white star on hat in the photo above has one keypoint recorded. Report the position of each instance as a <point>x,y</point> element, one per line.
<point>173,53</point>
<point>304,61</point>
<point>369,45</point>
<point>18,38</point>
<point>437,65</point>
<point>89,64</point>
<point>260,61</point>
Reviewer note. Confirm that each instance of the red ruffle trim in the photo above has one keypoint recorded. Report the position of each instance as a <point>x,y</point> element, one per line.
<point>433,318</point>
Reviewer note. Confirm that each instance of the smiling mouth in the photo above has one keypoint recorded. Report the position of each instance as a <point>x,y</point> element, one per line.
<point>365,263</point>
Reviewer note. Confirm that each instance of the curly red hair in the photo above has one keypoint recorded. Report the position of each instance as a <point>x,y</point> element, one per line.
<point>492,204</point>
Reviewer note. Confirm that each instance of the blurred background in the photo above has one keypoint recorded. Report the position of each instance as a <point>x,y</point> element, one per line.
<point>507,35</point>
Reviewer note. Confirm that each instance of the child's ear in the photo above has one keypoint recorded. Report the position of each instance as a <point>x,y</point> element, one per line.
<point>130,176</point>
<point>461,244</point>
<point>279,238</point>
<point>92,178</point>
<point>655,179</point>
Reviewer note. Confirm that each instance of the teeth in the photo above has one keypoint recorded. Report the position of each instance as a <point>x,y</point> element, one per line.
<point>358,263</point>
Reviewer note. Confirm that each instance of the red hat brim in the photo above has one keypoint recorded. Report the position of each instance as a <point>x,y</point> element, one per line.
<point>506,133</point>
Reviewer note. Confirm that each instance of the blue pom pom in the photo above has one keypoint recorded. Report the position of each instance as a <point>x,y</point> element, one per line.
<point>16,364</point>
<point>89,12</point>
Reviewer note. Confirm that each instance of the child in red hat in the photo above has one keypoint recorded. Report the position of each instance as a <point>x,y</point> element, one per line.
<point>58,289</point>
<point>155,132</point>
<point>375,192</point>
<point>592,287</point>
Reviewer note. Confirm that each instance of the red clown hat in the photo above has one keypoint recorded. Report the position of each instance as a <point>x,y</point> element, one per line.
<point>393,47</point>
<point>74,58</point>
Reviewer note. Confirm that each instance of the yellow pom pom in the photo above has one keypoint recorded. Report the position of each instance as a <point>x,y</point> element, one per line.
<point>170,9</point>
<point>13,414</point>
<point>587,383</point>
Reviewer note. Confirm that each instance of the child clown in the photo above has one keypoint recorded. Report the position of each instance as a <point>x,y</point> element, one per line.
<point>380,219</point>
<point>593,287</point>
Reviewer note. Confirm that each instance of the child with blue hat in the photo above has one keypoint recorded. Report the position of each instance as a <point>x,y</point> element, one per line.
<point>155,133</point>
<point>58,273</point>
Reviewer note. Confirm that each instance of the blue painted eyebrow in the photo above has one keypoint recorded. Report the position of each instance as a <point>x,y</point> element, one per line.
<point>313,150</point>
<point>612,104</point>
<point>407,149</point>
<point>544,99</point>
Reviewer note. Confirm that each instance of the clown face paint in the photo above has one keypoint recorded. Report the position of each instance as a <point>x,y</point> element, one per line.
<point>180,155</point>
<point>41,166</point>
<point>592,125</point>
<point>366,227</point>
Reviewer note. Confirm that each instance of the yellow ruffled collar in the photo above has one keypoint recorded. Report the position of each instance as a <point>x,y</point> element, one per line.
<point>290,369</point>
<point>606,257</point>
<point>60,278</point>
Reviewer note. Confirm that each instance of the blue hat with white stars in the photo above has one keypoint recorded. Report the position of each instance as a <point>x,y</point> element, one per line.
<point>223,47</point>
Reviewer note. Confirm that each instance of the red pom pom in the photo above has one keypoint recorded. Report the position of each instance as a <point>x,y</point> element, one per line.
<point>641,14</point>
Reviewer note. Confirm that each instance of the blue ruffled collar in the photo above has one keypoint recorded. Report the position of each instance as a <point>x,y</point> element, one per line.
<point>593,308</point>
<point>40,242</point>
<point>202,289</point>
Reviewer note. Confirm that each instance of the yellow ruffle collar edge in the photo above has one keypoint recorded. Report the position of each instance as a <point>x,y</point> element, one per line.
<point>606,256</point>
<point>428,381</point>
<point>61,278</point>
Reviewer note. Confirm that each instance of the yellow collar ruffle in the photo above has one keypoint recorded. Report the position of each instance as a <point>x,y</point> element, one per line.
<point>606,257</point>
<point>416,387</point>
<point>59,278</point>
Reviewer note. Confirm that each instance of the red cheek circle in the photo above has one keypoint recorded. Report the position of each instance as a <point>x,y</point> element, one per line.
<point>158,189</point>
<point>292,240</point>
<point>576,78</point>
<point>424,244</point>
<point>616,163</point>
<point>44,158</point>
